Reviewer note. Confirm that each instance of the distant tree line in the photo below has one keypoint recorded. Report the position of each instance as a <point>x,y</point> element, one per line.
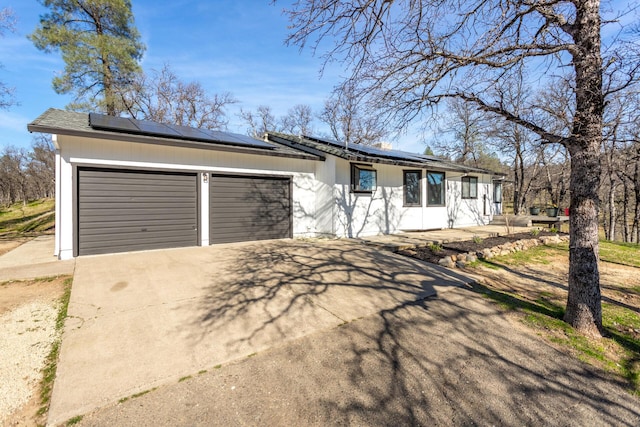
<point>27,174</point>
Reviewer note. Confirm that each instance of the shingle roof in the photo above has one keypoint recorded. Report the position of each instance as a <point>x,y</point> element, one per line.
<point>357,152</point>
<point>61,122</point>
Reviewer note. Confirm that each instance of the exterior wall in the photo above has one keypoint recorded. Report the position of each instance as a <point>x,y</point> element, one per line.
<point>363,214</point>
<point>76,151</point>
<point>382,212</point>
<point>468,212</point>
<point>325,205</point>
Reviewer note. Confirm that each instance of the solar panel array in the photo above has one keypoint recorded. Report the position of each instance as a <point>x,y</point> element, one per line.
<point>378,152</point>
<point>148,128</point>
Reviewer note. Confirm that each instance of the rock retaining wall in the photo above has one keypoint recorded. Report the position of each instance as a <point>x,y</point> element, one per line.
<point>460,260</point>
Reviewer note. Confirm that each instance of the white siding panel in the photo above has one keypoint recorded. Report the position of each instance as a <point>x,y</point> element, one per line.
<point>380,212</point>
<point>467,212</point>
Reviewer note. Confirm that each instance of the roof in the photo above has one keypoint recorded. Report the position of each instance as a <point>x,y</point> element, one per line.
<point>362,153</point>
<point>61,122</point>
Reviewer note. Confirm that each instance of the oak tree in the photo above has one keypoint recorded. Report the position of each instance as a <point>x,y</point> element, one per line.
<point>348,121</point>
<point>410,54</point>
<point>260,121</point>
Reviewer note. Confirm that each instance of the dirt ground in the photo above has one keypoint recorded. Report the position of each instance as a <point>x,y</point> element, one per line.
<point>12,296</point>
<point>15,294</point>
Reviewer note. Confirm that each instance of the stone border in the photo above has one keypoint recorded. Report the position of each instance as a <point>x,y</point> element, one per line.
<point>463,259</point>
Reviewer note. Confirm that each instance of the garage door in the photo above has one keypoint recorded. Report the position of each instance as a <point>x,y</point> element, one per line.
<point>122,210</point>
<point>249,208</point>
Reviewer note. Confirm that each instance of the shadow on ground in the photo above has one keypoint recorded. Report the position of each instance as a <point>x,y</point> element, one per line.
<point>271,285</point>
<point>452,360</point>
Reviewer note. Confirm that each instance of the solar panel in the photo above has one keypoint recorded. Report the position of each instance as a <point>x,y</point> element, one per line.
<point>373,151</point>
<point>101,121</point>
<point>191,133</point>
<point>153,128</point>
<point>145,127</point>
<point>235,138</point>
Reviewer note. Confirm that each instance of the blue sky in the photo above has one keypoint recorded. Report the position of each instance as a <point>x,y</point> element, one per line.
<point>226,45</point>
<point>234,46</point>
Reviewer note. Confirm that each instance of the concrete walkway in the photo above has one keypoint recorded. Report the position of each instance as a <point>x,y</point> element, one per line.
<point>32,260</point>
<point>406,240</point>
<point>141,320</point>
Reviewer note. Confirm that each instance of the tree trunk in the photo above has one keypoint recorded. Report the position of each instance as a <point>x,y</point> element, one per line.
<point>625,212</point>
<point>584,311</point>
<point>636,192</point>
<point>611,232</point>
<point>584,307</point>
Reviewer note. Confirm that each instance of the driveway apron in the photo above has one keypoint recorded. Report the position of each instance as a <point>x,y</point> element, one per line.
<point>140,320</point>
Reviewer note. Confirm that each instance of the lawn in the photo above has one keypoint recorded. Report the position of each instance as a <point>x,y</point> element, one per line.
<point>34,217</point>
<point>532,286</point>
<point>620,253</point>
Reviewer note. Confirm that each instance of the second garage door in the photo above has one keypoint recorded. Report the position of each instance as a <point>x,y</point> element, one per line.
<point>249,208</point>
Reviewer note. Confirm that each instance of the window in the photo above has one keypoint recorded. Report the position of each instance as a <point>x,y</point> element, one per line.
<point>435,189</point>
<point>412,188</point>
<point>469,187</point>
<point>363,178</point>
<point>497,192</point>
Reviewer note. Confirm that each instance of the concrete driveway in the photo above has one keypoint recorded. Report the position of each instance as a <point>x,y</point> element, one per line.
<point>140,320</point>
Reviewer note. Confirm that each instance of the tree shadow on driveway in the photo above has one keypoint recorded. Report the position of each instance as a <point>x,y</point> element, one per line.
<point>286,289</point>
<point>400,356</point>
<point>451,360</point>
<point>456,361</point>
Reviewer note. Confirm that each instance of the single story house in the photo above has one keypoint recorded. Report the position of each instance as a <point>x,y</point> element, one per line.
<point>126,185</point>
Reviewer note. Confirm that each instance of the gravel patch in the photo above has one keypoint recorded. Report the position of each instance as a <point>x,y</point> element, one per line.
<point>26,336</point>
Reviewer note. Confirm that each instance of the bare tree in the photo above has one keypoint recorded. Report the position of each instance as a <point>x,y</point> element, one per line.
<point>409,55</point>
<point>13,178</point>
<point>27,175</point>
<point>260,121</point>
<point>162,97</point>
<point>298,120</point>
<point>467,126</point>
<point>40,168</point>
<point>619,159</point>
<point>7,23</point>
<point>349,121</point>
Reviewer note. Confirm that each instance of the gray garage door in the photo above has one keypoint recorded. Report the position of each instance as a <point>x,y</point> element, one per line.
<point>249,208</point>
<point>122,210</point>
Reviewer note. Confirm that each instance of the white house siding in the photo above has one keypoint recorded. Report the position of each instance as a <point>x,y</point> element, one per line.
<point>468,212</point>
<point>382,212</point>
<point>325,202</point>
<point>77,151</point>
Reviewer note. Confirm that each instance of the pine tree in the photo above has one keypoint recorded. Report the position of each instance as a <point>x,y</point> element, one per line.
<point>100,46</point>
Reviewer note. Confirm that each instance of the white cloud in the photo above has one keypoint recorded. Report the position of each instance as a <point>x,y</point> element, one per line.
<point>13,122</point>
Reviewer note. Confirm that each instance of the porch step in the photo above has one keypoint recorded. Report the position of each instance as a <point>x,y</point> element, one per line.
<point>515,220</point>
